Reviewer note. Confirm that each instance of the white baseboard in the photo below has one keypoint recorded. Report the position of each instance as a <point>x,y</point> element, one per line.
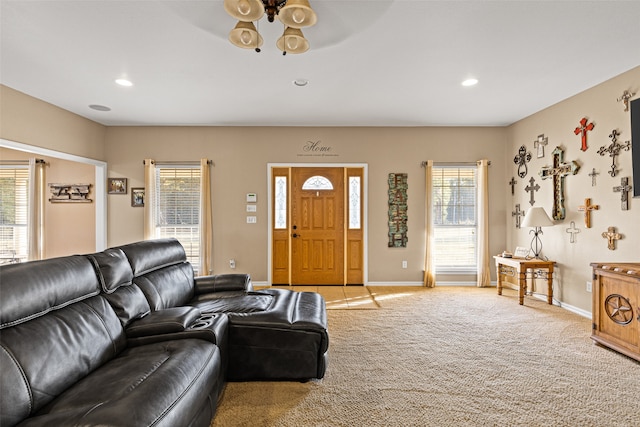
<point>395,284</point>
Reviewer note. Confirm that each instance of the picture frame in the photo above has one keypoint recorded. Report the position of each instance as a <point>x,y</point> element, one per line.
<point>137,197</point>
<point>116,185</point>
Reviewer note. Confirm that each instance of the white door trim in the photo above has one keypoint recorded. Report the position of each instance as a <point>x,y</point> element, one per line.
<point>365,209</point>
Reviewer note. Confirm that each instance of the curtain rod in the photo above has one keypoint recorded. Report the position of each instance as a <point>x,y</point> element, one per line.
<point>173,162</point>
<point>424,164</point>
<point>19,162</point>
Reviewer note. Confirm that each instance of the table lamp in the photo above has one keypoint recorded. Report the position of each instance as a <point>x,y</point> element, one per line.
<point>537,218</point>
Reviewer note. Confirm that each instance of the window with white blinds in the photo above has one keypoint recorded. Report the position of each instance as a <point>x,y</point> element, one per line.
<point>14,213</point>
<point>177,207</point>
<point>455,218</point>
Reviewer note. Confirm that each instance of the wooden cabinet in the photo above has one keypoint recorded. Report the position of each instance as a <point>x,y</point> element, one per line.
<point>616,307</point>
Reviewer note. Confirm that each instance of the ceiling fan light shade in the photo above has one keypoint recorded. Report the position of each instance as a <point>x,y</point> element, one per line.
<point>297,14</point>
<point>293,41</point>
<point>245,10</point>
<point>245,35</point>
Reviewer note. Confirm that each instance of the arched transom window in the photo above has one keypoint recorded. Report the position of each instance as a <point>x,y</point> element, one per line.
<point>317,182</point>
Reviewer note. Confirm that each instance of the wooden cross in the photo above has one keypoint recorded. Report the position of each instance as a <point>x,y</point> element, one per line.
<point>593,176</point>
<point>530,189</point>
<point>573,231</point>
<point>623,188</point>
<point>559,172</point>
<point>614,149</point>
<point>517,213</point>
<point>611,237</point>
<point>626,96</point>
<point>584,128</point>
<point>587,208</point>
<point>521,160</point>
<point>513,182</point>
<point>539,144</point>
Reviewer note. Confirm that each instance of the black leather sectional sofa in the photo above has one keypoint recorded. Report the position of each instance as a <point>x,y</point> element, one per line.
<point>129,337</point>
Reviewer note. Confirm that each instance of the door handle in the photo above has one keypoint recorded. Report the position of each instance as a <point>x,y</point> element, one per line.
<point>294,235</point>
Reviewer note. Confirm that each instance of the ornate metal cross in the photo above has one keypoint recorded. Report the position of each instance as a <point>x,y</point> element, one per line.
<point>521,160</point>
<point>559,171</point>
<point>512,183</point>
<point>614,149</point>
<point>531,189</point>
<point>611,237</point>
<point>624,188</point>
<point>539,144</point>
<point>593,176</point>
<point>587,208</point>
<point>573,231</point>
<point>584,128</point>
<point>517,213</point>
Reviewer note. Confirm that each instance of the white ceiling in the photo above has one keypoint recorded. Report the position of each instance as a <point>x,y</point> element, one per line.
<point>371,62</point>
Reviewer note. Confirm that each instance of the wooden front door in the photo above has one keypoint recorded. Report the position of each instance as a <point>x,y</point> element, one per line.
<point>317,237</point>
<point>317,226</point>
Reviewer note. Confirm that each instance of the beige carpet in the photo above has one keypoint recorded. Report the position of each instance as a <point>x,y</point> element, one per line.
<point>450,356</point>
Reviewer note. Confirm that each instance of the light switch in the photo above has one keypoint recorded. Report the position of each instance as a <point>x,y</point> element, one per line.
<point>252,219</point>
<point>252,208</point>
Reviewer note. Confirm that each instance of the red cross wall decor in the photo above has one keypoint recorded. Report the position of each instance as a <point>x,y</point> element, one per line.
<point>584,128</point>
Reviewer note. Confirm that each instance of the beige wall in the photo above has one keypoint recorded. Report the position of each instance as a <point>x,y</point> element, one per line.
<point>558,122</point>
<point>69,228</point>
<point>31,121</point>
<point>241,156</point>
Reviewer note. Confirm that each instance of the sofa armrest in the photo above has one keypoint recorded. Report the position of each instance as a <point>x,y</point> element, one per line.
<point>161,322</point>
<point>223,283</point>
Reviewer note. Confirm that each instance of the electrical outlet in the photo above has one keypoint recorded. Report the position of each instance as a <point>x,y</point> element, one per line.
<point>232,263</point>
<point>588,286</point>
<point>404,264</point>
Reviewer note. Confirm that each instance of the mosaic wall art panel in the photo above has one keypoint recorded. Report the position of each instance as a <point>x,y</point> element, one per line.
<point>397,210</point>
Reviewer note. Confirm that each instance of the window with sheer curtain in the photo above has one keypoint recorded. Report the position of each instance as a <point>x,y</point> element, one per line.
<point>14,213</point>
<point>455,219</point>
<point>176,210</point>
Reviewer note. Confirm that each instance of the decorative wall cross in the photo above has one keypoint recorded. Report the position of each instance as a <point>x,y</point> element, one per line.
<point>626,96</point>
<point>539,144</point>
<point>517,213</point>
<point>559,171</point>
<point>573,231</point>
<point>614,149</point>
<point>531,189</point>
<point>512,183</point>
<point>521,160</point>
<point>587,208</point>
<point>593,176</point>
<point>611,237</point>
<point>584,128</point>
<point>624,188</point>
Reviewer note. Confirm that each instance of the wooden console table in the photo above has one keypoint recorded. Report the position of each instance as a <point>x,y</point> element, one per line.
<point>518,267</point>
<point>616,307</point>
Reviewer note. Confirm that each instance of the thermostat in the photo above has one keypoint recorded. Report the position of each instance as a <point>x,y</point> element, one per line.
<point>252,197</point>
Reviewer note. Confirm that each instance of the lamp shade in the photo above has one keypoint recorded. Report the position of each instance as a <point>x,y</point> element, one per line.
<point>245,10</point>
<point>245,35</point>
<point>297,14</point>
<point>536,217</point>
<point>293,41</point>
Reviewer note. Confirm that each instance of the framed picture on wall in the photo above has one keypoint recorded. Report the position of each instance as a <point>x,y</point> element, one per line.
<point>137,197</point>
<point>117,185</point>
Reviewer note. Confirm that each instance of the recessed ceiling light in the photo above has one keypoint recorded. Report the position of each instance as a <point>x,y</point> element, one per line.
<point>301,82</point>
<point>98,107</point>
<point>470,82</point>
<point>124,82</point>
